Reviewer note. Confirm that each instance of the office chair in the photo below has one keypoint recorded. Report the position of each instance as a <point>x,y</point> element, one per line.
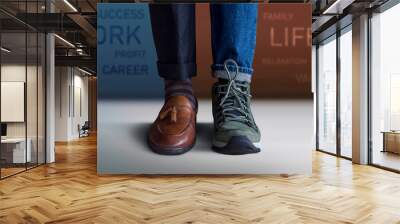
<point>84,130</point>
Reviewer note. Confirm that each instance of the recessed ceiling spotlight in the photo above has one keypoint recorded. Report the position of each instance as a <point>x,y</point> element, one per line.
<point>85,72</point>
<point>64,40</point>
<point>5,50</point>
<point>338,6</point>
<point>70,5</point>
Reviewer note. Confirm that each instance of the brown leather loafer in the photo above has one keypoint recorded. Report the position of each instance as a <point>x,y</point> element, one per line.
<point>174,130</point>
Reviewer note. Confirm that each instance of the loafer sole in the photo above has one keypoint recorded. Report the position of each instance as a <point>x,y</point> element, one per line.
<point>169,151</point>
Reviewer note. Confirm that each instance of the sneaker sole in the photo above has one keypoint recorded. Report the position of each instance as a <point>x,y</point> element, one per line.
<point>237,145</point>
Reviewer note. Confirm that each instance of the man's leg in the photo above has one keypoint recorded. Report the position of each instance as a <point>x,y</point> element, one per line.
<point>173,27</point>
<point>233,31</point>
<point>233,43</point>
<point>174,37</point>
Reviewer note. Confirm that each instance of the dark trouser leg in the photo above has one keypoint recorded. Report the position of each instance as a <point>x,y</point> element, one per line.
<point>174,36</point>
<point>233,28</point>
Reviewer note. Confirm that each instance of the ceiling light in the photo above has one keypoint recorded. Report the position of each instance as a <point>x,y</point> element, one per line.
<point>5,50</point>
<point>338,6</point>
<point>65,41</point>
<point>70,5</point>
<point>84,71</point>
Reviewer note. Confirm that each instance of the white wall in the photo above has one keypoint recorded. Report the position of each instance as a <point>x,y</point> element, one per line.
<point>62,82</point>
<point>33,126</point>
<point>70,83</point>
<point>12,73</point>
<point>79,115</point>
<point>13,101</point>
<point>17,73</point>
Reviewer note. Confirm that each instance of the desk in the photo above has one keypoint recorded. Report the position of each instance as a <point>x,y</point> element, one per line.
<point>391,141</point>
<point>13,150</point>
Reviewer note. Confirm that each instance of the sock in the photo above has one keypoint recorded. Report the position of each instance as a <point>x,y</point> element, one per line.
<point>180,88</point>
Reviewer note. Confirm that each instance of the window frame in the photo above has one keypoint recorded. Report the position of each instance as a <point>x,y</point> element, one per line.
<point>339,32</point>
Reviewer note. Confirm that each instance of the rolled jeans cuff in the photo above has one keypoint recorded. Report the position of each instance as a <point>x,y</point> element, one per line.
<point>244,73</point>
<point>180,71</point>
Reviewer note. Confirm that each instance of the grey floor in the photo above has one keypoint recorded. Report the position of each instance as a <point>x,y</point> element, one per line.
<point>287,141</point>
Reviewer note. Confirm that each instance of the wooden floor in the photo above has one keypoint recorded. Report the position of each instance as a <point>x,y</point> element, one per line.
<point>387,159</point>
<point>69,191</point>
<point>5,172</point>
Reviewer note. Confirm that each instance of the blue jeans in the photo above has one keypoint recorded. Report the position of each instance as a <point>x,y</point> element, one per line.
<point>233,33</point>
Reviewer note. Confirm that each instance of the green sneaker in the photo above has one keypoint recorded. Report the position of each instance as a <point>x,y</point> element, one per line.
<point>235,132</point>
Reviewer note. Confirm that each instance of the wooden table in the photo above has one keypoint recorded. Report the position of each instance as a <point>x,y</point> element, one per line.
<point>391,141</point>
<point>13,150</point>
